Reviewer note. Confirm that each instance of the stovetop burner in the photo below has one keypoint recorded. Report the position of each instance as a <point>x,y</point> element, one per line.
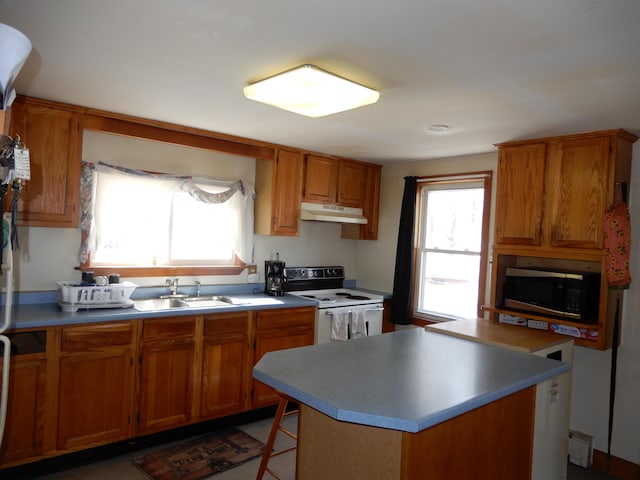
<point>352,296</point>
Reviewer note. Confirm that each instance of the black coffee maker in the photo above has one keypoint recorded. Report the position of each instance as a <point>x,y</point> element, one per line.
<point>274,280</point>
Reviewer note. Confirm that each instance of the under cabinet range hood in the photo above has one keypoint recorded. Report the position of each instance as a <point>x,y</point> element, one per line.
<point>331,213</point>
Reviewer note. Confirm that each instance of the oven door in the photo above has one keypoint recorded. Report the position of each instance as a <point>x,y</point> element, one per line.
<point>346,323</point>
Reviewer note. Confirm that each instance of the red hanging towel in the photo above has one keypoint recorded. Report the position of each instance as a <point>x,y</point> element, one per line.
<point>617,244</point>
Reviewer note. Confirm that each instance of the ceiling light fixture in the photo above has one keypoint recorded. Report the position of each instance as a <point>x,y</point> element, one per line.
<point>311,91</point>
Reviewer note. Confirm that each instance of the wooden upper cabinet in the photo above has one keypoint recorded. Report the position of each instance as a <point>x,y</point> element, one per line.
<point>320,179</point>
<point>352,178</point>
<point>279,190</point>
<point>581,189</point>
<point>335,181</point>
<point>520,194</point>
<point>553,192</point>
<point>52,134</point>
<point>370,208</point>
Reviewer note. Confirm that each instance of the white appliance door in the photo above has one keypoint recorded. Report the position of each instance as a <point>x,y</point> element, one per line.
<point>326,319</point>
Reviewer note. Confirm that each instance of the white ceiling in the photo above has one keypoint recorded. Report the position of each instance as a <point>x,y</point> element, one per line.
<point>493,70</point>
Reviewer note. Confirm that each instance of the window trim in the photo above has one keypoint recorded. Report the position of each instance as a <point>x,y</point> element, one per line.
<point>169,270</point>
<point>235,268</point>
<point>481,176</point>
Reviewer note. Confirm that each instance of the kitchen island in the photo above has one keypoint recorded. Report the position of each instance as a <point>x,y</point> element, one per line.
<point>409,405</point>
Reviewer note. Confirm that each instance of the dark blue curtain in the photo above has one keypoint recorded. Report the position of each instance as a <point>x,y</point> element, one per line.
<point>403,276</point>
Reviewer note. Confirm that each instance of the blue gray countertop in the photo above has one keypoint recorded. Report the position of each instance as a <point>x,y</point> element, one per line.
<point>407,380</point>
<point>40,315</point>
<point>40,309</point>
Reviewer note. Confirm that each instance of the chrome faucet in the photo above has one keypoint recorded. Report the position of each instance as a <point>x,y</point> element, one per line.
<point>197,288</point>
<point>173,284</point>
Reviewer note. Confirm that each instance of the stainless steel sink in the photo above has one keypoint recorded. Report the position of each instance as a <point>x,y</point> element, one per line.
<point>154,304</point>
<point>182,302</point>
<point>208,301</point>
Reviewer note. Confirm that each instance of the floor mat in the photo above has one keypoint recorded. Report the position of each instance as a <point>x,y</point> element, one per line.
<point>201,457</point>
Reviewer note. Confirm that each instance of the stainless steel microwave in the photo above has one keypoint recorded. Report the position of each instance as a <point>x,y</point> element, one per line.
<point>571,296</point>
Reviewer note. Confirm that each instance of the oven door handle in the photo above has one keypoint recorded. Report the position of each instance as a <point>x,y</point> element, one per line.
<point>378,309</point>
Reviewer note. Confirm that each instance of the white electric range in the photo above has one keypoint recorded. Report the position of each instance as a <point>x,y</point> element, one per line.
<point>341,313</point>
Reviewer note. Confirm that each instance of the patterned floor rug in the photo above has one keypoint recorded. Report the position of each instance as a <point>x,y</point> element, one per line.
<point>201,457</point>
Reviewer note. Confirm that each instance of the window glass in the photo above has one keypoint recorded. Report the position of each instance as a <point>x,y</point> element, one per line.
<point>156,220</point>
<point>450,257</point>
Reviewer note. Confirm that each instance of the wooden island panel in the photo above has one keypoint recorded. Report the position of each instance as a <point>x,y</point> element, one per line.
<point>490,442</point>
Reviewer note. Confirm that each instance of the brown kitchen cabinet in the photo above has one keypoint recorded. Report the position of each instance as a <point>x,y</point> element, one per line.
<point>225,364</point>
<point>279,329</point>
<point>320,179</point>
<point>279,193</point>
<point>24,430</point>
<point>335,181</point>
<point>52,132</point>
<point>95,384</point>
<point>553,192</point>
<point>352,178</point>
<point>370,208</point>
<point>166,373</point>
<point>551,199</point>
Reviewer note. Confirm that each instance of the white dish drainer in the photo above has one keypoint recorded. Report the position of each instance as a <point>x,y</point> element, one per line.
<point>73,296</point>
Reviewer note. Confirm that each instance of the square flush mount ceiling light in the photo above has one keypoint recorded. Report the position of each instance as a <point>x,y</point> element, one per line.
<point>310,91</point>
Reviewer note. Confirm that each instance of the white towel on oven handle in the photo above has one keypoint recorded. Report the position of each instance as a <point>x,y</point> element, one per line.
<point>358,323</point>
<point>340,324</point>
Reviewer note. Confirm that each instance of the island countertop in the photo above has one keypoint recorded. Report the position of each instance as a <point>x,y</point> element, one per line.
<point>407,380</point>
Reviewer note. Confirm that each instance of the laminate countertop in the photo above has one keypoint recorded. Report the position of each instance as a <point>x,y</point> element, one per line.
<point>516,337</point>
<point>39,315</point>
<point>407,380</point>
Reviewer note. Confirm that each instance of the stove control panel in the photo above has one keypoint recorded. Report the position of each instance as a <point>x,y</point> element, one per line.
<point>313,273</point>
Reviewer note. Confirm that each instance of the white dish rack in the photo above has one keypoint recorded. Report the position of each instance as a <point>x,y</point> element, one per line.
<point>73,296</point>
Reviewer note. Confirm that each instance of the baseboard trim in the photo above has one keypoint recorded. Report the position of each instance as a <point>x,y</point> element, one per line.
<point>614,466</point>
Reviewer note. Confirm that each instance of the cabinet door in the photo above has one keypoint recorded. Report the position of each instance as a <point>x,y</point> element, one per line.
<point>371,208</point>
<point>580,174</point>
<point>279,330</point>
<point>520,194</point>
<point>166,373</point>
<point>166,385</point>
<point>352,177</point>
<point>95,384</point>
<point>224,364</point>
<point>94,398</point>
<point>320,179</point>
<point>23,435</point>
<point>287,193</point>
<point>51,196</point>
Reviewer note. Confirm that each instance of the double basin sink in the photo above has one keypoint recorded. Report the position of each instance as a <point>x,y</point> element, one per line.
<point>181,302</point>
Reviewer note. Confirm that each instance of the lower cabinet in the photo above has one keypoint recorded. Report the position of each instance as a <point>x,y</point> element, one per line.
<point>279,330</point>
<point>23,435</point>
<point>167,357</point>
<point>95,384</point>
<point>225,361</point>
<point>101,383</point>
